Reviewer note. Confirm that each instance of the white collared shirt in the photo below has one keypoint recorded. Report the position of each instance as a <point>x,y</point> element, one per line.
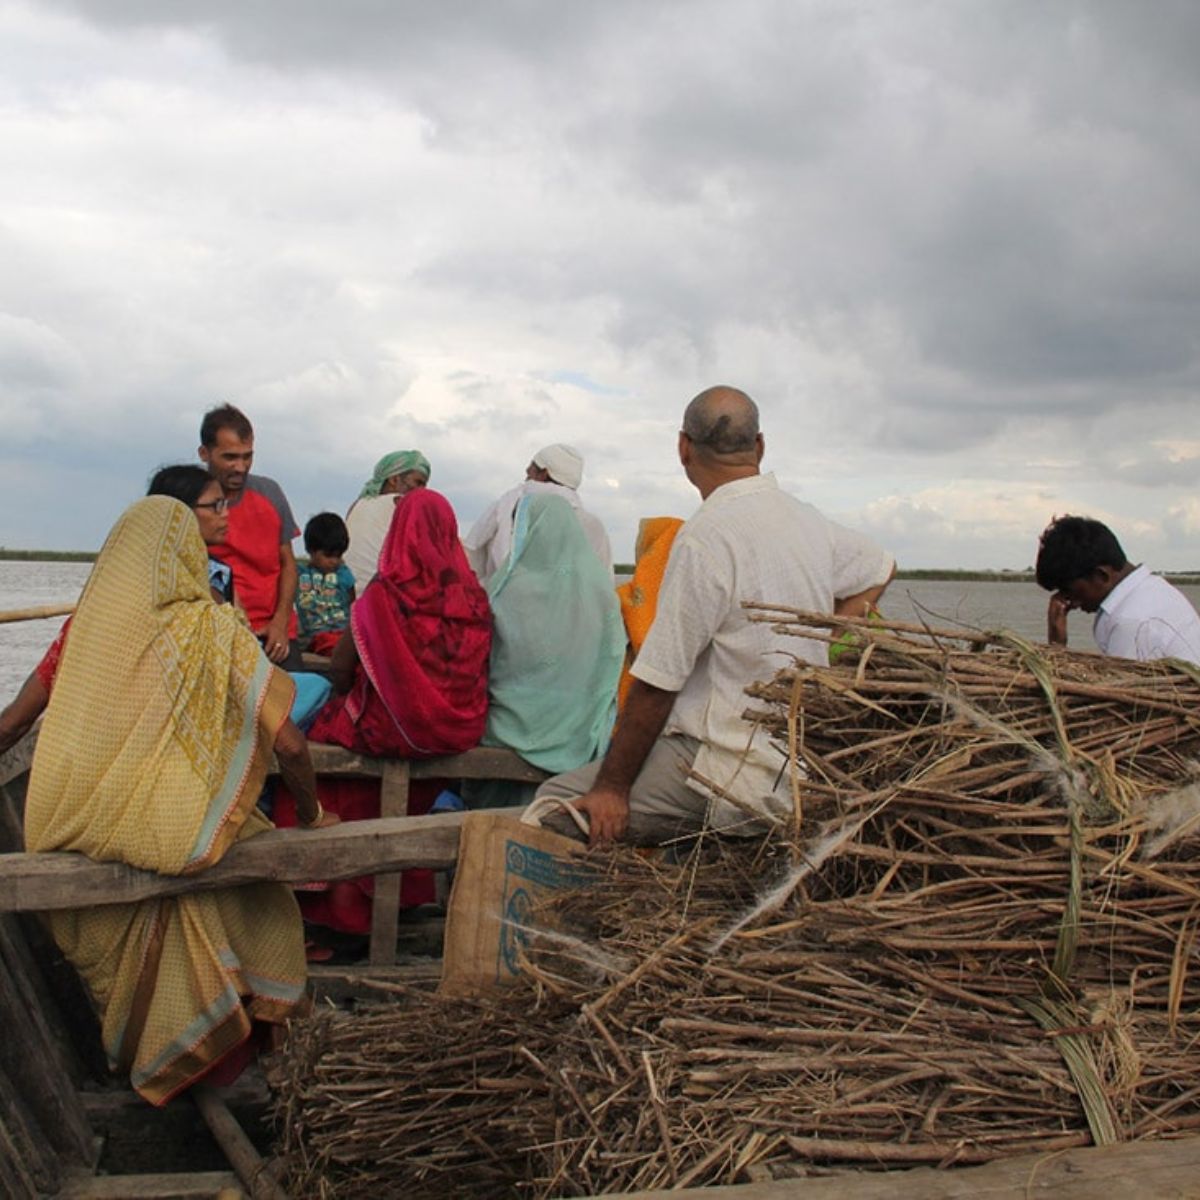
<point>490,539</point>
<point>1144,617</point>
<point>748,541</point>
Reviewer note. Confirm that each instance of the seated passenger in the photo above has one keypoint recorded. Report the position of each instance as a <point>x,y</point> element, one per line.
<point>154,757</point>
<point>684,757</point>
<point>370,516</point>
<point>411,681</point>
<point>557,647</point>
<point>1138,615</point>
<point>201,493</point>
<point>555,471</point>
<point>325,589</point>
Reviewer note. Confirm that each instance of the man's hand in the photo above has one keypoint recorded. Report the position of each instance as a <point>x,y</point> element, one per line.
<point>1056,619</point>
<point>276,639</point>
<point>608,814</point>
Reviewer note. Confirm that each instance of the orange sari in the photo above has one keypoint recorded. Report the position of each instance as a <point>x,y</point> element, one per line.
<point>639,597</point>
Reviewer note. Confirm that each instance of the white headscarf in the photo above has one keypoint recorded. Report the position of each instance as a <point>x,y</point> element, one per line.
<point>564,463</point>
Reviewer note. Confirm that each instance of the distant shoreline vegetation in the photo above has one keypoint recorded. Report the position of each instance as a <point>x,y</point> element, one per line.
<point>7,555</point>
<point>926,574</point>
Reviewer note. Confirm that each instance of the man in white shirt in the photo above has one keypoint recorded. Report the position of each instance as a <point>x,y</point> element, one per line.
<point>1138,615</point>
<point>683,756</point>
<point>557,469</point>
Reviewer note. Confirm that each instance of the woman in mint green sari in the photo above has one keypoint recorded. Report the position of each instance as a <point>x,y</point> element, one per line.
<point>558,642</point>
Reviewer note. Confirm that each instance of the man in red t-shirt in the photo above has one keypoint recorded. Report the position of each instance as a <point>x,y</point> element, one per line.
<point>258,546</point>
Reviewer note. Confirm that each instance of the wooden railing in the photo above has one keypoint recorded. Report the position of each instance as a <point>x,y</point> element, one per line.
<point>384,847</point>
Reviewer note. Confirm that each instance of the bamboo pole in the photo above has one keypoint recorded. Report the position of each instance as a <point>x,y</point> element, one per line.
<point>237,1147</point>
<point>39,612</point>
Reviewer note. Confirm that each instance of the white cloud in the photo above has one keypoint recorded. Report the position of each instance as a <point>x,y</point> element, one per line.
<point>948,250</point>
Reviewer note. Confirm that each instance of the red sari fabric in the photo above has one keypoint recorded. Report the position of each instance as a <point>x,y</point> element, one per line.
<point>423,631</point>
<point>345,904</point>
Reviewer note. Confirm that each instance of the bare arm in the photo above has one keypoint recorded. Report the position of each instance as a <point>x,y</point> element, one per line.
<point>285,597</point>
<point>342,663</point>
<point>1056,619</point>
<point>295,765</point>
<point>863,603</point>
<point>642,720</point>
<point>17,719</point>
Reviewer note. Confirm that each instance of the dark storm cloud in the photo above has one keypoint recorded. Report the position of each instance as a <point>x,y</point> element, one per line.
<point>969,226</point>
<point>1007,181</point>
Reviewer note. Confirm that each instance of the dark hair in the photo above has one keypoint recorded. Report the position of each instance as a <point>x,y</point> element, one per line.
<point>1071,548</point>
<point>327,533</point>
<point>184,482</point>
<point>225,416</point>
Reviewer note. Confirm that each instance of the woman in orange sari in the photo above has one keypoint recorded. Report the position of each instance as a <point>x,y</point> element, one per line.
<point>154,757</point>
<point>639,597</point>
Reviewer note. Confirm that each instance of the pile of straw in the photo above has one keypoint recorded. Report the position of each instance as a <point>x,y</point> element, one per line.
<point>974,940</point>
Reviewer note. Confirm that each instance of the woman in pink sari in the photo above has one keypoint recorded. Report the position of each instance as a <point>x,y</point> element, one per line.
<point>410,681</point>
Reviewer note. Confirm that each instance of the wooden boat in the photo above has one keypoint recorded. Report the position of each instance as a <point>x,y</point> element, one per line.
<point>59,1127</point>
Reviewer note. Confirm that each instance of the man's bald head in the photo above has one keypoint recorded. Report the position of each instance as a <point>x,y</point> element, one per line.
<point>722,424</point>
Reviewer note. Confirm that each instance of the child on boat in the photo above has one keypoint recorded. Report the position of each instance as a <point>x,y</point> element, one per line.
<point>325,588</point>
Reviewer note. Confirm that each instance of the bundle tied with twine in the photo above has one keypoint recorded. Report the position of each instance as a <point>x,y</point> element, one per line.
<point>975,938</point>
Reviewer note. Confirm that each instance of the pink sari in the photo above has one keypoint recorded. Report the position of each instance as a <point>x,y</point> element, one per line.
<point>423,631</point>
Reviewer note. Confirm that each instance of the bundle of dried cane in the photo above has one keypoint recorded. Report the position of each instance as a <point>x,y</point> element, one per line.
<point>977,943</point>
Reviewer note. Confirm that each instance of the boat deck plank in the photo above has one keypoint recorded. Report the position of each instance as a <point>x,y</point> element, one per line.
<point>1165,1170</point>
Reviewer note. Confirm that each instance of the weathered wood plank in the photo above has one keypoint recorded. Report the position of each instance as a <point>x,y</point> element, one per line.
<point>28,1165</point>
<point>385,903</point>
<point>483,762</point>
<point>1132,1170</point>
<point>197,1185</point>
<point>243,1157</point>
<point>41,882</point>
<point>30,1053</point>
<point>16,760</point>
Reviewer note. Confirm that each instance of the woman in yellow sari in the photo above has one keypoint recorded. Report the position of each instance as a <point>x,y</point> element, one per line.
<point>154,747</point>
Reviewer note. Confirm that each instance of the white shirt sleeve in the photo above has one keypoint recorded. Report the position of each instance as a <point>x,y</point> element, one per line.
<point>858,562</point>
<point>695,599</point>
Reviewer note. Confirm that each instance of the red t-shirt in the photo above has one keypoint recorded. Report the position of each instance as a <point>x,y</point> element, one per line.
<point>251,548</point>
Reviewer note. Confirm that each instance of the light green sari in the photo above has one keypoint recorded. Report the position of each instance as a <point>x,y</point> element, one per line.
<point>558,642</point>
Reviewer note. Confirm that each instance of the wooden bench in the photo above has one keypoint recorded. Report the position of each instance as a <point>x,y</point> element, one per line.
<point>395,775</point>
<point>396,842</point>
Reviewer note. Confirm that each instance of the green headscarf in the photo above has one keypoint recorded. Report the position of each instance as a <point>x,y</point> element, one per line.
<point>396,463</point>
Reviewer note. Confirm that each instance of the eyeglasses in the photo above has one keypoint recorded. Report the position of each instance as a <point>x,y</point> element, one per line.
<point>218,506</point>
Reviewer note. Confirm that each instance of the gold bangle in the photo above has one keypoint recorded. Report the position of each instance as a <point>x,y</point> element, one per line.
<point>317,819</point>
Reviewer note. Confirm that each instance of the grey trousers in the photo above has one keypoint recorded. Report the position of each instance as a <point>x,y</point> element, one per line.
<point>661,805</point>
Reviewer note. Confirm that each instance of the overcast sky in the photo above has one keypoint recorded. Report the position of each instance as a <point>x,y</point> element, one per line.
<point>950,248</point>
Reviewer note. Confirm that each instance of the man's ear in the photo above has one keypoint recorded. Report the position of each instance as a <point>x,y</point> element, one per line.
<point>205,456</point>
<point>685,449</point>
<point>759,447</point>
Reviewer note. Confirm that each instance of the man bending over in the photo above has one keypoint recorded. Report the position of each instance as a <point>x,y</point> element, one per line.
<point>1138,615</point>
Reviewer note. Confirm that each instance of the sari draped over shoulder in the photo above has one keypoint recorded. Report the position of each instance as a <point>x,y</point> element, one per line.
<point>639,596</point>
<point>558,642</point>
<point>423,631</point>
<point>153,750</point>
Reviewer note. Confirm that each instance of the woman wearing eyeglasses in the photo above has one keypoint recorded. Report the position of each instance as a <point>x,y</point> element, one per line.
<point>196,488</point>
<point>154,757</point>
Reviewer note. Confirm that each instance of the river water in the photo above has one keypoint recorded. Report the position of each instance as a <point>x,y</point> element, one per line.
<point>1020,607</point>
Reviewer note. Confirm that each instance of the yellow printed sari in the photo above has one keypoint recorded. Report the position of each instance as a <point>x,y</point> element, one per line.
<point>153,750</point>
